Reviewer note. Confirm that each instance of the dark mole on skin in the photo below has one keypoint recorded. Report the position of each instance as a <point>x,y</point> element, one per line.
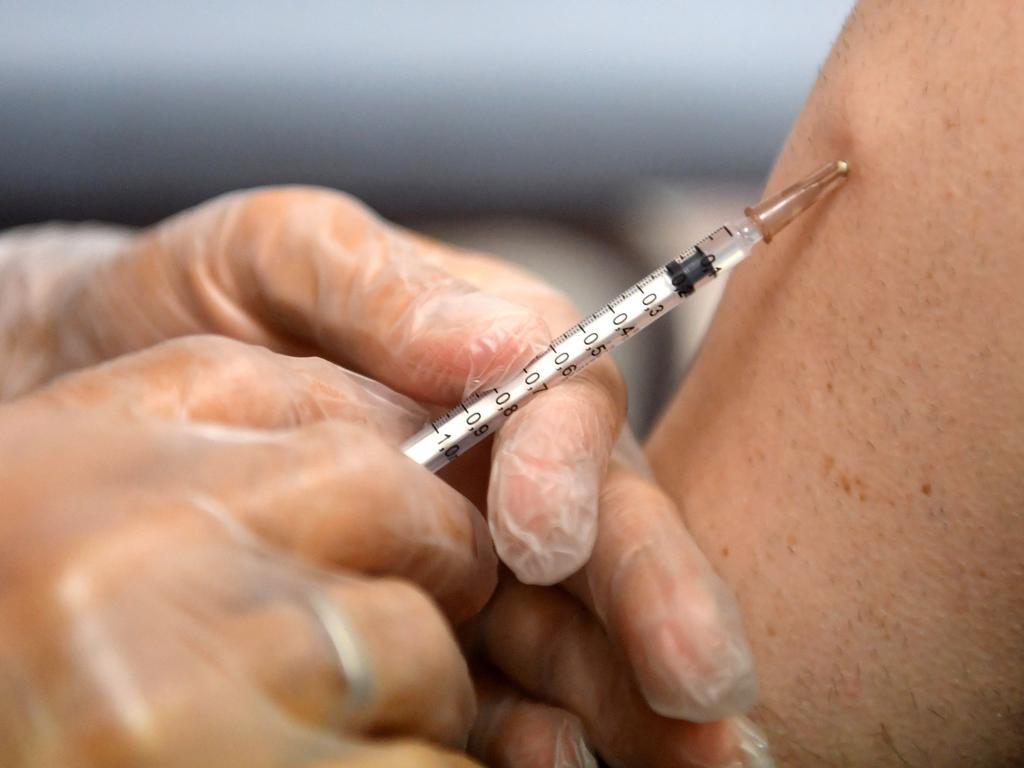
<point>846,483</point>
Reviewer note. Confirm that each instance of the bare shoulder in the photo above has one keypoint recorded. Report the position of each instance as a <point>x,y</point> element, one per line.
<point>850,446</point>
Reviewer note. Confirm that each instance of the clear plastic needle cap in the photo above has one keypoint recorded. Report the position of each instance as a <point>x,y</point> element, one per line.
<point>776,212</point>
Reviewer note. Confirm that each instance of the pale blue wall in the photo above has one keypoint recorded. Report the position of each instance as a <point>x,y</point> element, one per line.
<point>434,104</point>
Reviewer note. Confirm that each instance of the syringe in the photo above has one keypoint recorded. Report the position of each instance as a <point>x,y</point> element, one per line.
<point>620,319</point>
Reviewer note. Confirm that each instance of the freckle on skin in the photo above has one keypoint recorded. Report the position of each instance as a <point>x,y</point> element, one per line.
<point>844,481</point>
<point>828,386</point>
<point>926,489</point>
<point>830,462</point>
<point>725,551</point>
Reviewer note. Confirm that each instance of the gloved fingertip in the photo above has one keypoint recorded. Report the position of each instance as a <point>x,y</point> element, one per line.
<point>544,494</point>
<point>752,745</point>
<point>542,555</point>
<point>542,568</point>
<point>719,685</point>
<point>696,663</point>
<point>544,525</point>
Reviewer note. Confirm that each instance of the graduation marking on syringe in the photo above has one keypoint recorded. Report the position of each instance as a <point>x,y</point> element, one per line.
<point>621,319</point>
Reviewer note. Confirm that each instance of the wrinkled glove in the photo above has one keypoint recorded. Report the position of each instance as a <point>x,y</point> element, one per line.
<point>310,271</point>
<point>639,657</point>
<point>641,650</point>
<point>189,550</point>
<point>549,462</point>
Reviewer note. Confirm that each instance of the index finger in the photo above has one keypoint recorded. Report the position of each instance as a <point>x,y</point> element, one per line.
<point>312,266</point>
<point>550,458</point>
<point>674,619</point>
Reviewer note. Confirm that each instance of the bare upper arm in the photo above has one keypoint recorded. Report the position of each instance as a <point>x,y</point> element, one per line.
<point>849,448</point>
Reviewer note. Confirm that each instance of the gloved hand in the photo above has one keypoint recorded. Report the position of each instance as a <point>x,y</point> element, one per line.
<point>306,270</point>
<point>181,542</point>
<point>638,657</point>
<point>550,458</point>
<point>642,649</point>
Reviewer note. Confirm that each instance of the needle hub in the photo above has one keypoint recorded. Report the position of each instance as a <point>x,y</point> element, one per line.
<point>772,215</point>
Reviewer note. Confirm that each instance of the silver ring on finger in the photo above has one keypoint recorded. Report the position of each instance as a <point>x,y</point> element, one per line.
<point>347,649</point>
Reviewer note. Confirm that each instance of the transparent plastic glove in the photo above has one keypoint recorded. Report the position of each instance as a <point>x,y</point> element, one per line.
<point>310,270</point>
<point>180,553</point>
<point>644,645</point>
<point>551,457</point>
<point>431,535</point>
<point>512,731</point>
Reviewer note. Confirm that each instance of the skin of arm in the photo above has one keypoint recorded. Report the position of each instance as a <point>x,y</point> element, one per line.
<point>849,448</point>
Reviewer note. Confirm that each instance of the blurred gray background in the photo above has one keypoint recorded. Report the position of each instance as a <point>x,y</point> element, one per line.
<point>588,140</point>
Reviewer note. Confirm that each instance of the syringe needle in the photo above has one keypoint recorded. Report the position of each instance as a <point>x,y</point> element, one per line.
<point>622,318</point>
<point>771,215</point>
